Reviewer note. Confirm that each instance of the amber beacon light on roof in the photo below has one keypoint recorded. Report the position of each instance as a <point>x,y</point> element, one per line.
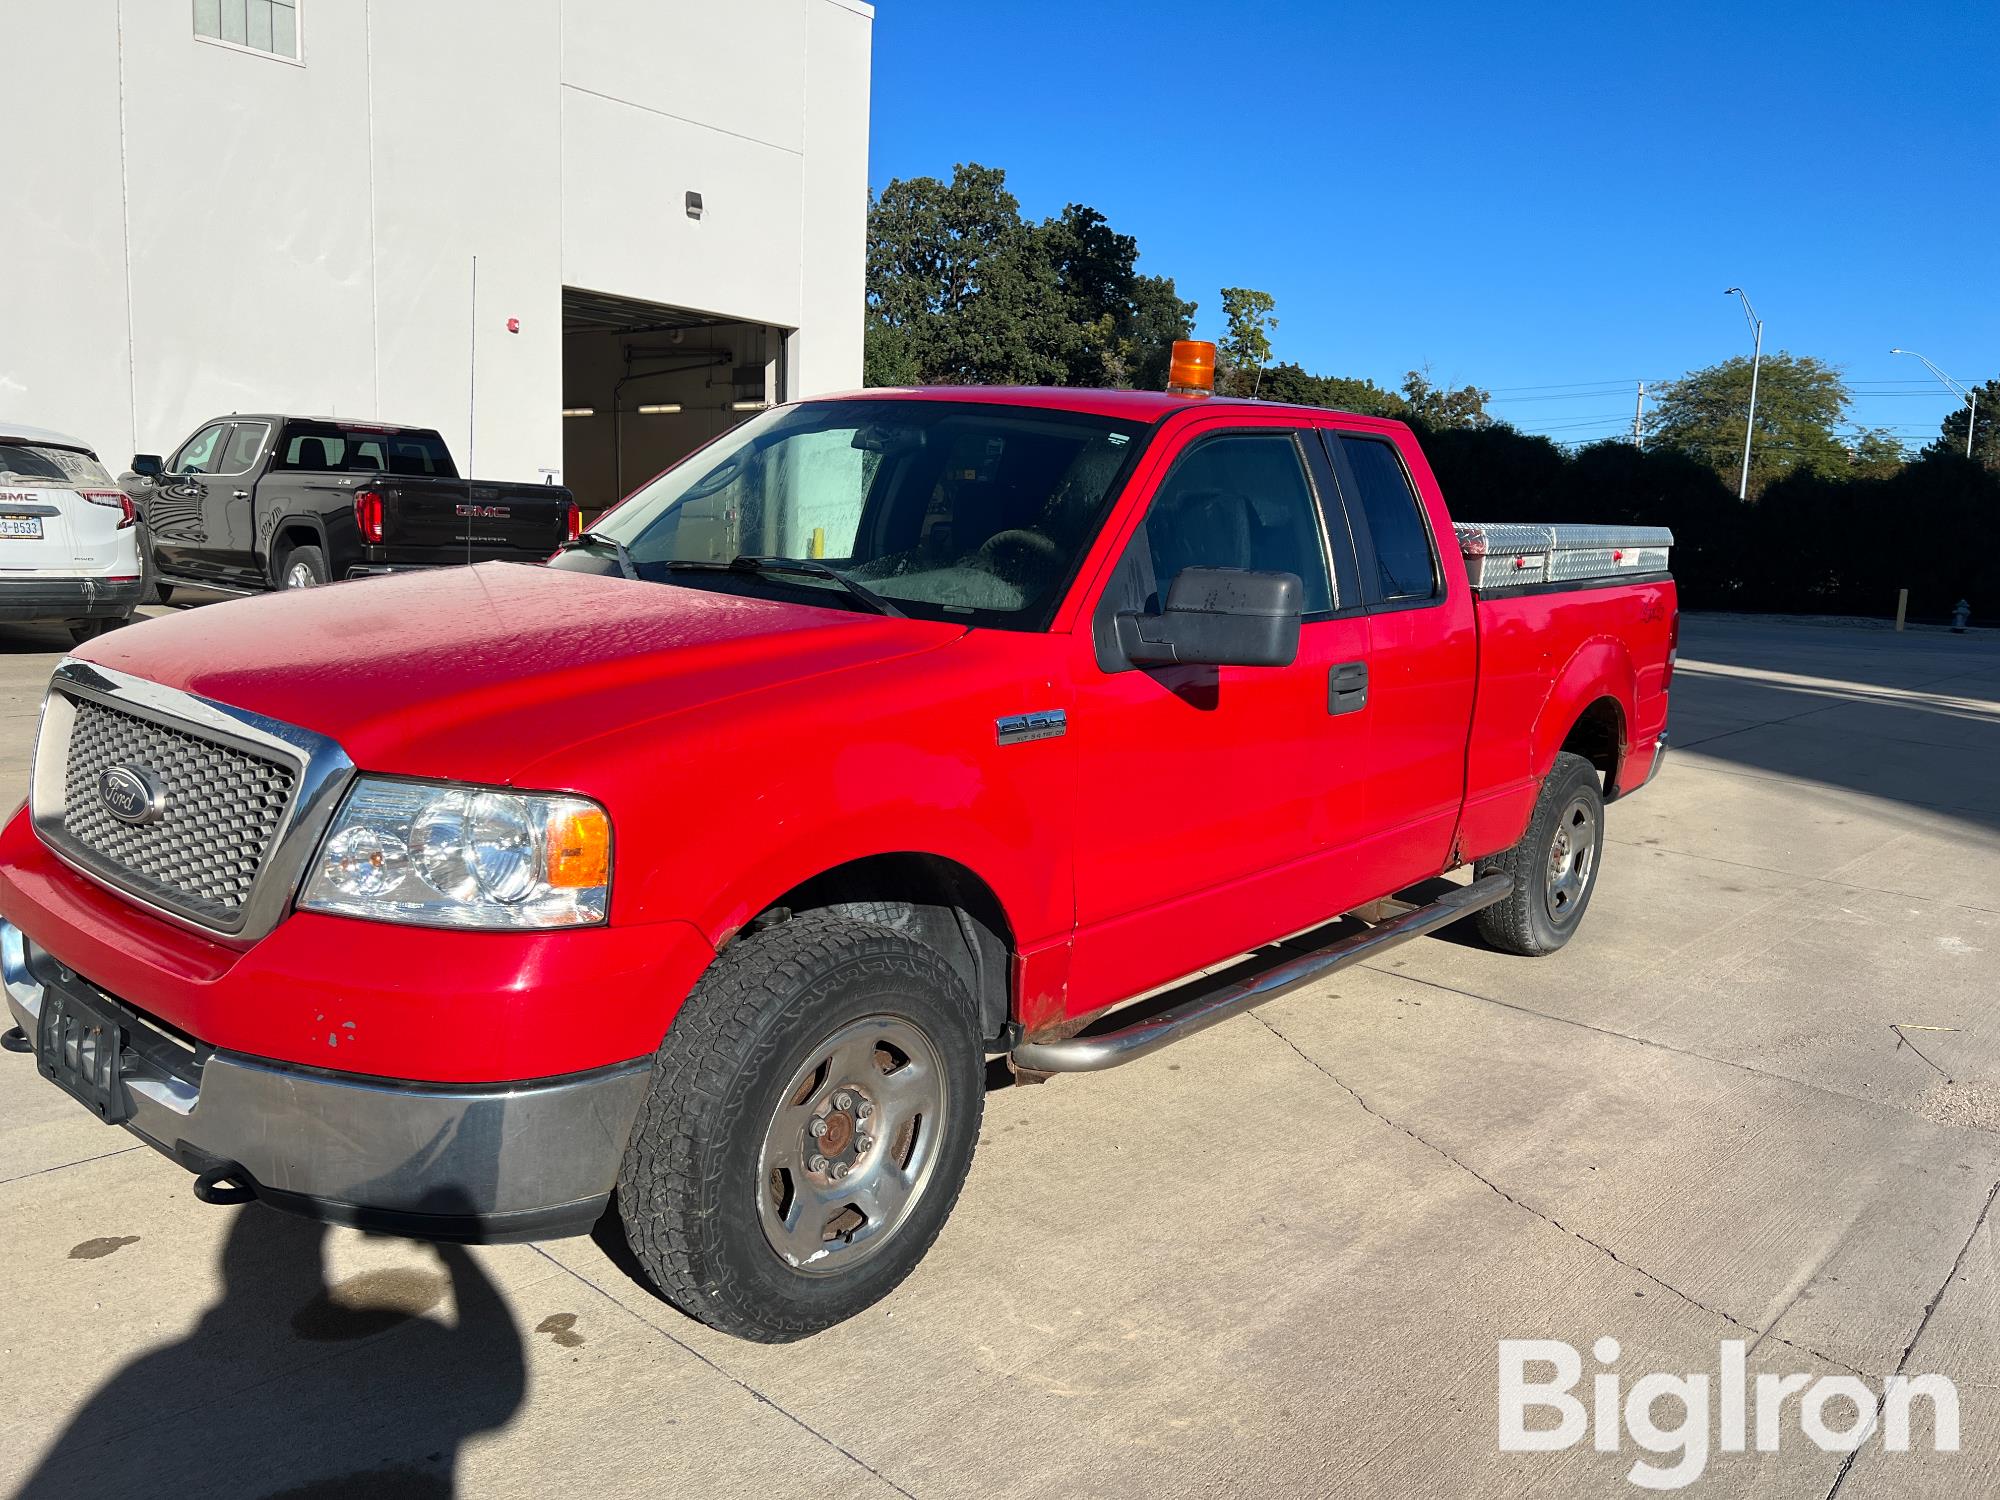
<point>1191,372</point>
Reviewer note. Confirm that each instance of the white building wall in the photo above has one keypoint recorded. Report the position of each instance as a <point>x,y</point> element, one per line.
<point>299,236</point>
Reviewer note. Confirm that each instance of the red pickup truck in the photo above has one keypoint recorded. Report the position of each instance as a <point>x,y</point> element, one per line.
<point>711,862</point>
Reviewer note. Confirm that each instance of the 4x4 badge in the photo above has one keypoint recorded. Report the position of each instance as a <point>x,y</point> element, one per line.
<point>132,795</point>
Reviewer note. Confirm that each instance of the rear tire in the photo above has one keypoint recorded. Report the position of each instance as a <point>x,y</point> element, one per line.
<point>811,1117</point>
<point>1554,866</point>
<point>304,568</point>
<point>89,630</point>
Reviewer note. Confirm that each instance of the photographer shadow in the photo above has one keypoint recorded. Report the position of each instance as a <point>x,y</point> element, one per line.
<point>291,1388</point>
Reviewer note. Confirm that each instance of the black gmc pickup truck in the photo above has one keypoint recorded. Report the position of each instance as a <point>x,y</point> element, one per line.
<point>273,502</point>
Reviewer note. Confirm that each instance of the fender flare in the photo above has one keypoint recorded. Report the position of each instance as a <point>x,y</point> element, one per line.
<point>268,562</point>
<point>1601,667</point>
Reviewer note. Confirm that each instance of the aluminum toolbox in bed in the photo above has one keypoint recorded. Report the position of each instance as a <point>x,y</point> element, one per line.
<point>1502,555</point>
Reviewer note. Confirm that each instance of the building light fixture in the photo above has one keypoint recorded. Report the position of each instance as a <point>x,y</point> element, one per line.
<point>660,409</point>
<point>749,405</point>
<point>579,411</point>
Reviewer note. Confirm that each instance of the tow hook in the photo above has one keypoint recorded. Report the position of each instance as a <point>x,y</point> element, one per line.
<point>223,1185</point>
<point>14,1039</point>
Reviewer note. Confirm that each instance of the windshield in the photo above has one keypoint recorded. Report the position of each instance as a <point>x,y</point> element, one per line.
<point>46,466</point>
<point>951,510</point>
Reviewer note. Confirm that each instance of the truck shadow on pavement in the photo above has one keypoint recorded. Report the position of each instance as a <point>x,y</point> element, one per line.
<point>290,1388</point>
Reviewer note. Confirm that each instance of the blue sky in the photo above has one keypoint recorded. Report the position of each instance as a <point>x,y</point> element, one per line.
<point>1531,198</point>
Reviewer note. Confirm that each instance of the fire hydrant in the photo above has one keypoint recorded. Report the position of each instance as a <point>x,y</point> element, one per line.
<point>1959,615</point>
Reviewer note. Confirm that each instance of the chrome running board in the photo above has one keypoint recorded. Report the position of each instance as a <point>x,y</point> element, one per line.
<point>1092,1054</point>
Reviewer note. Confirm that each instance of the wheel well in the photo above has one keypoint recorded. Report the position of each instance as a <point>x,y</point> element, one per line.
<point>933,899</point>
<point>1599,737</point>
<point>291,534</point>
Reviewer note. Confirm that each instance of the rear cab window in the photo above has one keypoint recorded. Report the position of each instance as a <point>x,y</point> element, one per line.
<point>1399,564</point>
<point>335,448</point>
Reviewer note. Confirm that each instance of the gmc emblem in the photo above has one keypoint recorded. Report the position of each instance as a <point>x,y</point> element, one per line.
<point>486,512</point>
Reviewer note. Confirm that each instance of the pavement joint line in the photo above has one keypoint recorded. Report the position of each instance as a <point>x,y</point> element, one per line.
<point>1930,1307</point>
<point>743,1385</point>
<point>1550,1219</point>
<point>1644,1041</point>
<point>64,1166</point>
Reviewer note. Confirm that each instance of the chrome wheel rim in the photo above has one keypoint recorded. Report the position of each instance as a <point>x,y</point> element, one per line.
<point>1572,859</point>
<point>852,1145</point>
<point>299,576</point>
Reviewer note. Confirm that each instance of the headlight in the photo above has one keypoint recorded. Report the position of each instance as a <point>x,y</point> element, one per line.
<point>459,856</point>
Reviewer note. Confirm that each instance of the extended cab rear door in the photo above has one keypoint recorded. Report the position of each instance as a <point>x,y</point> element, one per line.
<point>1422,649</point>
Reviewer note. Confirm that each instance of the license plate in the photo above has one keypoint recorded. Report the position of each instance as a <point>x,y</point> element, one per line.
<point>21,526</point>
<point>80,1047</point>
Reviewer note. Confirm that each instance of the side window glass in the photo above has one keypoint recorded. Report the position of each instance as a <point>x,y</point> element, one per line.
<point>1405,566</point>
<point>1236,501</point>
<point>245,438</point>
<point>197,455</point>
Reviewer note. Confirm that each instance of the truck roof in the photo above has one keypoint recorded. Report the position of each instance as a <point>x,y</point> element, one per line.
<point>1133,406</point>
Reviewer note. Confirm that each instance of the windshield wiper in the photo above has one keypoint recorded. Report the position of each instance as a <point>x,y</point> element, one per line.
<point>598,539</point>
<point>804,567</point>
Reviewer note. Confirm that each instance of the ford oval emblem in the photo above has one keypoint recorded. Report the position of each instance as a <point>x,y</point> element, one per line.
<point>132,795</point>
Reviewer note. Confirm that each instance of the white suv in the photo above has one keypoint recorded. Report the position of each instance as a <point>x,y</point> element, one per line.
<point>69,540</point>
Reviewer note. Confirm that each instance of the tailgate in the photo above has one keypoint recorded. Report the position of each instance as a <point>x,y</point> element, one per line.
<point>34,530</point>
<point>486,519</point>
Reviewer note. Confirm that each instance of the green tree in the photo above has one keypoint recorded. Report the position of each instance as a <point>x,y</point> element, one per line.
<point>1442,410</point>
<point>1986,436</point>
<point>1291,383</point>
<point>1159,317</point>
<point>960,289</point>
<point>1800,403</point>
<point>1246,347</point>
<point>1875,453</point>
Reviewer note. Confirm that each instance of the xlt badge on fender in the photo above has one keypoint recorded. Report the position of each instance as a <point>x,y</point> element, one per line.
<point>132,795</point>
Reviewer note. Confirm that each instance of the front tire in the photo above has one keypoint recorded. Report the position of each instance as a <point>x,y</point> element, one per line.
<point>1554,866</point>
<point>811,1117</point>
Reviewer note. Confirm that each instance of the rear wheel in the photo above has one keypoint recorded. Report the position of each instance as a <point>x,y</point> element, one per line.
<point>1554,866</point>
<point>811,1117</point>
<point>304,568</point>
<point>89,630</point>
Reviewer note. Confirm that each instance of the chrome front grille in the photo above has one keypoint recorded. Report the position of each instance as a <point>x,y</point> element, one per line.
<point>222,808</point>
<point>235,802</point>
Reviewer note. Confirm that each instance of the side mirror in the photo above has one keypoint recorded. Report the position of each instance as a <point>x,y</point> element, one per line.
<point>148,465</point>
<point>1219,617</point>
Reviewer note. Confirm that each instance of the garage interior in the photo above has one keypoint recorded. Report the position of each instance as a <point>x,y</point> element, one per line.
<point>645,384</point>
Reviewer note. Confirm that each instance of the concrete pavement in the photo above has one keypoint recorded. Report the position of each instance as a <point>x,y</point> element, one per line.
<point>1758,1098</point>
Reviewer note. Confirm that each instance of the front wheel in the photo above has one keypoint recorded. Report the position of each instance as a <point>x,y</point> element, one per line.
<point>811,1116</point>
<point>1554,866</point>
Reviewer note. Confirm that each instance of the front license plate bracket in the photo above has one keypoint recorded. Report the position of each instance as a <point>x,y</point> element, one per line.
<point>80,1047</point>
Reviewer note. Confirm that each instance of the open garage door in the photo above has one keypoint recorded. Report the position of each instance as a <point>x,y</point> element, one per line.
<point>645,384</point>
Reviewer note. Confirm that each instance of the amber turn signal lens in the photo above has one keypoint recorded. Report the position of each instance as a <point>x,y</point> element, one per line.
<point>1192,370</point>
<point>579,848</point>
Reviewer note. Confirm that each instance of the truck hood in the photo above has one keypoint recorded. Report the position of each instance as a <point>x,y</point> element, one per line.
<point>475,673</point>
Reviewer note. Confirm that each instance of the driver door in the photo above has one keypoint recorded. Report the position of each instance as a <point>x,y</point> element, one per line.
<point>175,524</point>
<point>1215,800</point>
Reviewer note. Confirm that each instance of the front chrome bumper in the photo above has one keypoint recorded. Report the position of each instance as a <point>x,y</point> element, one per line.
<point>474,1162</point>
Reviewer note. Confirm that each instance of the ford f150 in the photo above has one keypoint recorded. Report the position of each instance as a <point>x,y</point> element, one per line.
<point>711,862</point>
<point>250,503</point>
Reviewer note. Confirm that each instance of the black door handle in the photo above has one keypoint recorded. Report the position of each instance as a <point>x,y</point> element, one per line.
<point>1347,688</point>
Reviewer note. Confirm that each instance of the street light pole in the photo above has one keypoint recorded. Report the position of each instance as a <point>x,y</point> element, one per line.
<point>1756,359</point>
<point>1970,398</point>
